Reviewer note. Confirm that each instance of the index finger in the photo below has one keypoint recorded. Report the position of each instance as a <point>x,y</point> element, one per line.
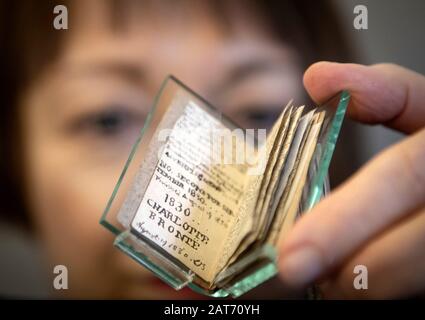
<point>382,93</point>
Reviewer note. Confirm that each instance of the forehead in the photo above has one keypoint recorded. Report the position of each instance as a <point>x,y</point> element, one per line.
<point>161,15</point>
<point>190,40</point>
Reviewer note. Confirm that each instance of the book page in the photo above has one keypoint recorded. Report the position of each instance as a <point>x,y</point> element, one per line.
<point>191,203</point>
<point>246,219</point>
<point>278,168</point>
<point>303,124</point>
<point>288,207</point>
<point>274,154</point>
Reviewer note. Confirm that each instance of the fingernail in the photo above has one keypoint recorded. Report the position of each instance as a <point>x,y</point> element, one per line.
<point>301,267</point>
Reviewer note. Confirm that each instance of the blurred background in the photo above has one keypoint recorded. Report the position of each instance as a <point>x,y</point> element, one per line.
<point>395,34</point>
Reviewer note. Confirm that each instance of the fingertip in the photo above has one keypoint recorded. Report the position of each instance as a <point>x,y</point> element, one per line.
<point>324,79</point>
<point>313,76</point>
<point>377,92</point>
<point>316,69</point>
<point>300,267</point>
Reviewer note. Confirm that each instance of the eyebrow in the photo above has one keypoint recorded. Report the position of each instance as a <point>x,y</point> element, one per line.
<point>128,71</point>
<point>133,73</point>
<point>245,70</point>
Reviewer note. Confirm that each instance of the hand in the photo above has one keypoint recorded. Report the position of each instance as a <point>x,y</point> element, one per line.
<point>377,217</point>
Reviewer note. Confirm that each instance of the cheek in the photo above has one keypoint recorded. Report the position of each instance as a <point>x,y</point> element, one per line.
<point>69,205</point>
<point>67,194</point>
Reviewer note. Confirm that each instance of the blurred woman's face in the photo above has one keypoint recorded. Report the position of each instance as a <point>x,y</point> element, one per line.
<point>81,117</point>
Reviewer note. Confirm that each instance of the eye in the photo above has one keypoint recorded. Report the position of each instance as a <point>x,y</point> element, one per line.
<point>110,122</point>
<point>261,117</point>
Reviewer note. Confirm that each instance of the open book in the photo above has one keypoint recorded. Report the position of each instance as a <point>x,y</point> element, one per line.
<point>206,208</point>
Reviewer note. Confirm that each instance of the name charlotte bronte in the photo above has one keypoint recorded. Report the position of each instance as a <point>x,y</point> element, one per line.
<point>181,230</point>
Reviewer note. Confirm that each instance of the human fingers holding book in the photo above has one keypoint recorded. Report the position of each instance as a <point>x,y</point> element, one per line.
<point>377,218</point>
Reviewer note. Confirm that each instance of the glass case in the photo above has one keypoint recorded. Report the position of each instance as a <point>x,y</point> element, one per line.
<point>253,268</point>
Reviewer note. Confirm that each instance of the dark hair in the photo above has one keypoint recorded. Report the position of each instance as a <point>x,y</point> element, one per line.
<point>29,42</point>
